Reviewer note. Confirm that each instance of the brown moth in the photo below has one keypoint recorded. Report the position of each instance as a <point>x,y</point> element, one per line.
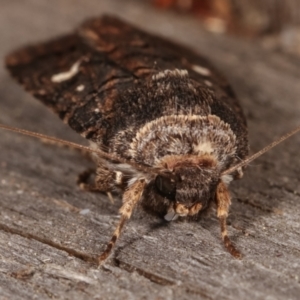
<point>173,130</point>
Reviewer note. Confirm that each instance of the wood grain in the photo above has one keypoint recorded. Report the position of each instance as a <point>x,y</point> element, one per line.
<point>50,230</point>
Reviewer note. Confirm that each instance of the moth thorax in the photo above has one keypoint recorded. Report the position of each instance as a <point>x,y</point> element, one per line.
<point>183,135</point>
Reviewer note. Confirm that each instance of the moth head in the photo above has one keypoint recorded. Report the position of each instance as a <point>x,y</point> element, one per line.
<point>188,182</point>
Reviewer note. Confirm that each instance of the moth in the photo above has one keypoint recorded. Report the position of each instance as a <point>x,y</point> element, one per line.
<point>166,129</point>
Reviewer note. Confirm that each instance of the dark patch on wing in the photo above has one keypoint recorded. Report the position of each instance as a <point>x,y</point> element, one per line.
<point>85,100</point>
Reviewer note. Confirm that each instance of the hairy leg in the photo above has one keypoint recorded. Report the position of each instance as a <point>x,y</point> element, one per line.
<point>223,203</point>
<point>105,180</point>
<point>83,178</point>
<point>130,198</point>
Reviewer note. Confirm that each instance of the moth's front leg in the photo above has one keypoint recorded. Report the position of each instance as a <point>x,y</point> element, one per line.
<point>223,203</point>
<point>105,180</point>
<point>131,197</point>
<point>83,179</point>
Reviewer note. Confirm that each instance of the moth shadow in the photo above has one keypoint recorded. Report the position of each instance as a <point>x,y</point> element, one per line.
<point>152,227</point>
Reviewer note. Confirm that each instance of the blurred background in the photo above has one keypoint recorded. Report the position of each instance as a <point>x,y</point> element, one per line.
<point>275,22</point>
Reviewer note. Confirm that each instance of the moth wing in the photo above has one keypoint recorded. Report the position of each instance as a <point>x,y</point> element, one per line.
<point>143,54</point>
<point>82,75</point>
<point>78,83</point>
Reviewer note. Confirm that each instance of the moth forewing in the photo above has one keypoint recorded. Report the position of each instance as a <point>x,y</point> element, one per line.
<point>171,126</point>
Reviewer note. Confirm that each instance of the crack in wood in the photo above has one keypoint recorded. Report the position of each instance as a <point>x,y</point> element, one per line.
<point>24,273</point>
<point>195,291</point>
<point>284,188</point>
<point>82,256</point>
<point>158,279</point>
<point>255,205</point>
<point>152,277</point>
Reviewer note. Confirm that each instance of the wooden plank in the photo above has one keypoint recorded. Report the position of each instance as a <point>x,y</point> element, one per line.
<point>34,270</point>
<point>50,230</point>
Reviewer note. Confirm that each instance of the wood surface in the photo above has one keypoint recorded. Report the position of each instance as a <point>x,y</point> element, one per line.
<point>50,230</point>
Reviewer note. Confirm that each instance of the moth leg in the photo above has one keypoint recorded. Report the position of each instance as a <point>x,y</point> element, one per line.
<point>100,184</point>
<point>223,203</point>
<point>130,198</point>
<point>104,180</point>
<point>82,181</point>
<point>239,173</point>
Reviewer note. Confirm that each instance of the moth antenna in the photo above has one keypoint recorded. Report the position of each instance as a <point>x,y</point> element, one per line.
<point>261,152</point>
<point>102,154</point>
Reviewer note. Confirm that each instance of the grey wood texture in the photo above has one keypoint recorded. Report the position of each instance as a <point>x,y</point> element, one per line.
<point>50,230</point>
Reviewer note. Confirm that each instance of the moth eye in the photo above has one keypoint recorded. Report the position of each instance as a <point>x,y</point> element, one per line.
<point>166,186</point>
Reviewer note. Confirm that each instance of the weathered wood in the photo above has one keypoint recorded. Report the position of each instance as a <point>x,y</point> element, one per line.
<point>50,230</point>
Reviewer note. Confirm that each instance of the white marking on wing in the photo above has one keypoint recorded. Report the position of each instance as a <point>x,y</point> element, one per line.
<point>201,70</point>
<point>208,83</point>
<point>60,77</point>
<point>80,88</point>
